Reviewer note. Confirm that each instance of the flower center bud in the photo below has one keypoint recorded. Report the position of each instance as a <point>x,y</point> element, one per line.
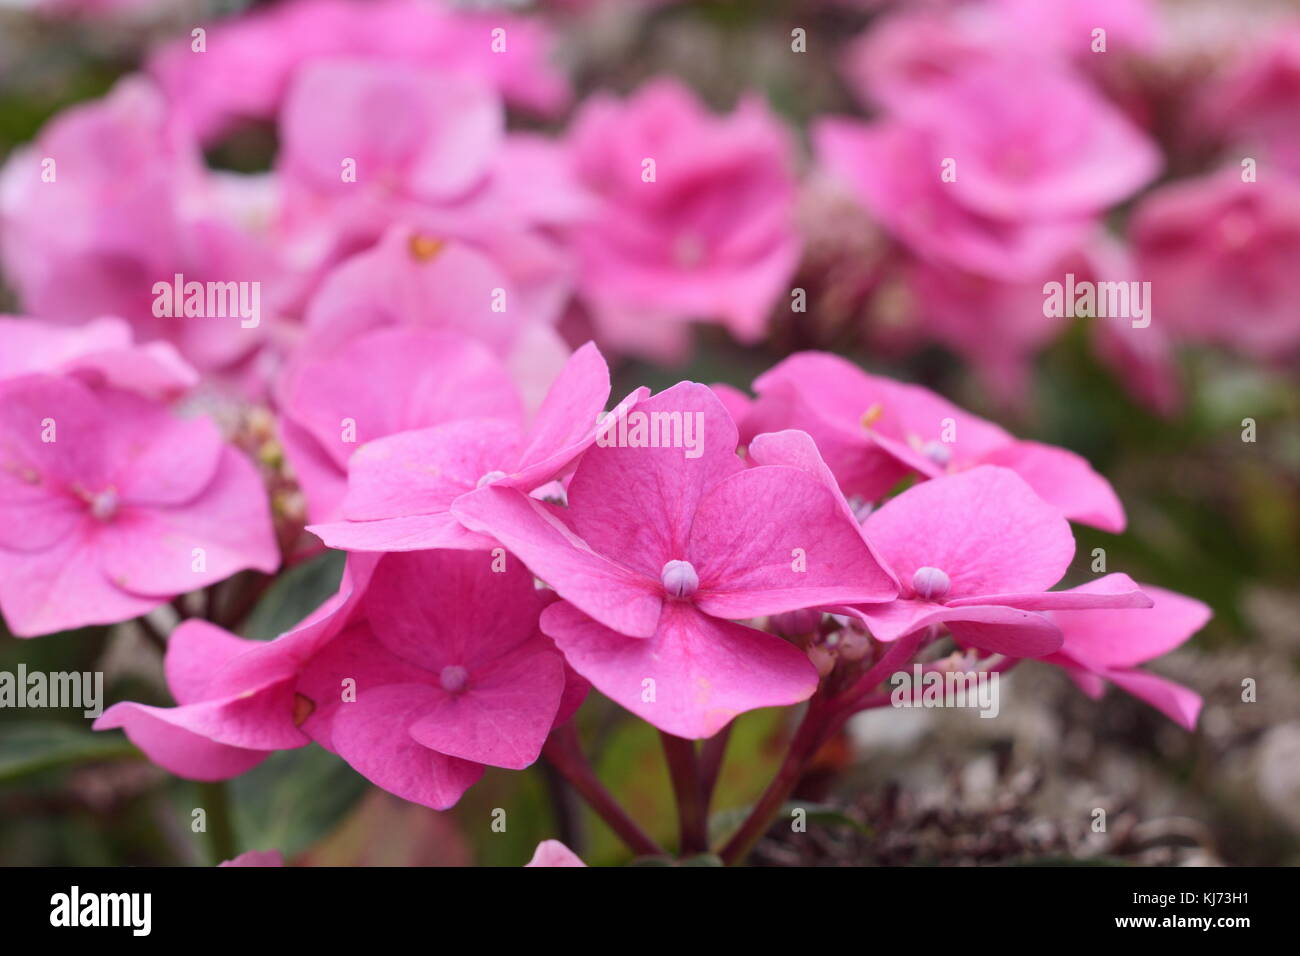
<point>930,584</point>
<point>104,505</point>
<point>490,477</point>
<point>680,579</point>
<point>937,452</point>
<point>453,678</point>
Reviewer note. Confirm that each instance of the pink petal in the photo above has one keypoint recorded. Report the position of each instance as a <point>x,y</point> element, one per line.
<point>421,472</point>
<point>435,608</point>
<point>704,671</point>
<point>748,530</point>
<point>637,504</point>
<point>1125,637</point>
<point>415,378</point>
<point>1111,591</point>
<point>504,715</point>
<point>372,734</point>
<point>410,533</point>
<point>62,587</point>
<point>571,409</point>
<point>166,460</point>
<point>256,858</point>
<point>618,596</point>
<point>985,528</point>
<point>1063,479</point>
<point>554,853</point>
<point>79,454</point>
<point>1002,630</point>
<point>151,550</point>
<point>196,651</point>
<point>176,748</point>
<point>798,450</point>
<point>735,401</point>
<point>1176,702</point>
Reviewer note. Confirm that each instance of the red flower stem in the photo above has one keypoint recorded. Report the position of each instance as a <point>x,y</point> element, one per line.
<point>807,739</point>
<point>564,751</point>
<point>688,788</point>
<point>823,719</point>
<point>712,753</point>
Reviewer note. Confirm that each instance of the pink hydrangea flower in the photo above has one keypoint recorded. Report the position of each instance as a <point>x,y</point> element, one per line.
<point>250,62</point>
<point>1065,28</point>
<point>410,378</point>
<point>110,506</point>
<point>413,278</point>
<point>873,432</point>
<point>236,699</point>
<point>100,352</point>
<point>711,237</point>
<point>1107,645</point>
<point>413,137</point>
<point>659,552</point>
<point>909,55</point>
<point>1221,255</point>
<point>423,668</point>
<point>125,205</point>
<point>993,174</point>
<point>998,325</point>
<point>1253,106</point>
<point>451,674</point>
<point>554,853</point>
<point>977,551</point>
<point>401,488</point>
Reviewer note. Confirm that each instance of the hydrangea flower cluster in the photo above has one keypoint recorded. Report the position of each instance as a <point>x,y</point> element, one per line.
<point>368,347</point>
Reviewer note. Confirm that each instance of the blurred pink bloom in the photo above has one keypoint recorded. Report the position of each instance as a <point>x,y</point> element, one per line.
<point>1141,357</point>
<point>256,858</point>
<point>506,292</point>
<point>395,137</point>
<point>1108,645</point>
<point>1220,255</point>
<point>873,432</point>
<point>993,174</point>
<point>554,853</point>
<point>908,55</point>
<point>110,506</point>
<point>401,488</point>
<point>250,62</point>
<point>977,552</point>
<point>100,352</point>
<point>382,382</point>
<point>1253,107</point>
<point>111,199</point>
<point>658,552</point>
<point>912,54</point>
<point>711,237</point>
<point>1064,28</point>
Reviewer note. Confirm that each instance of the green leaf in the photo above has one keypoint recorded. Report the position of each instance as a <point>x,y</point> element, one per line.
<point>294,595</point>
<point>725,822</point>
<point>292,799</point>
<point>29,748</point>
